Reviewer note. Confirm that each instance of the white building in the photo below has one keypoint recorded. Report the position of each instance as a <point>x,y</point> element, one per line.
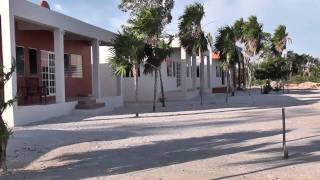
<point>57,60</point>
<point>181,77</point>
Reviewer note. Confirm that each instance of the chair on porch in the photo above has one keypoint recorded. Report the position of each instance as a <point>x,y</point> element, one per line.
<point>31,89</point>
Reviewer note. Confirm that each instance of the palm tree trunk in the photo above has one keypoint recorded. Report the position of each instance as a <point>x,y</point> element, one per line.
<point>3,145</point>
<point>163,101</point>
<point>136,80</point>
<point>244,78</point>
<point>228,85</point>
<point>155,89</point>
<point>239,74</point>
<point>201,76</point>
<point>234,84</point>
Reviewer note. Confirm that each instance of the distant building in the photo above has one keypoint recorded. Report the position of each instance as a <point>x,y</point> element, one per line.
<point>181,77</point>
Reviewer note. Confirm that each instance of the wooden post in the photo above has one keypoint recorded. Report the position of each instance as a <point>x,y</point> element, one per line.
<point>285,150</point>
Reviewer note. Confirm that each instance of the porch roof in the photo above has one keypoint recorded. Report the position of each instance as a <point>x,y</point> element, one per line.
<point>31,12</point>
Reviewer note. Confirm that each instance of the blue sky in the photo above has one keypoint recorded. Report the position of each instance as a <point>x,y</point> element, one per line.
<point>300,16</point>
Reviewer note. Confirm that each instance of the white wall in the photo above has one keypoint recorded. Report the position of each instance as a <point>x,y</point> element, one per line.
<point>146,82</point>
<point>36,113</point>
<point>109,83</point>
<point>216,81</point>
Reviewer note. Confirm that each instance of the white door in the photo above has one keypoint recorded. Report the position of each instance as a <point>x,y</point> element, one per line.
<point>48,72</point>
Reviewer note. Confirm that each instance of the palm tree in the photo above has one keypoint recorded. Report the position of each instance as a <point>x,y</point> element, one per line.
<point>225,44</point>
<point>238,33</point>
<point>252,37</point>
<point>192,37</point>
<point>280,40</point>
<point>128,53</point>
<point>149,22</point>
<point>155,57</point>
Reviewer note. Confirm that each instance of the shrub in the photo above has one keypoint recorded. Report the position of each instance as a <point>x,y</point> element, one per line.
<point>267,88</point>
<point>5,132</point>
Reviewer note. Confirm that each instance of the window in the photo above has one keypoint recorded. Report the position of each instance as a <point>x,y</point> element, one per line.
<point>20,61</point>
<point>188,71</point>
<point>178,74</point>
<point>198,71</point>
<point>76,66</point>
<point>48,72</point>
<point>217,71</point>
<point>66,65</point>
<point>33,65</point>
<point>129,73</point>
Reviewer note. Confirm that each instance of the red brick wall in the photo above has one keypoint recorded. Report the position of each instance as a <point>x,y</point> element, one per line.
<point>44,40</point>
<point>219,90</point>
<point>79,86</point>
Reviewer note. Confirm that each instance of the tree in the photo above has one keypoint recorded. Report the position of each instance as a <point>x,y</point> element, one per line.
<point>250,33</point>
<point>155,57</point>
<point>225,44</point>
<point>280,40</point>
<point>5,132</point>
<point>148,18</point>
<point>128,53</point>
<point>134,7</point>
<point>192,37</point>
<point>272,68</point>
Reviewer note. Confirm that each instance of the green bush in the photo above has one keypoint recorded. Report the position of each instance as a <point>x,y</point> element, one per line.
<point>267,88</point>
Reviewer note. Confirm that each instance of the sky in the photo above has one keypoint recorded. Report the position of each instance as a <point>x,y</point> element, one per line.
<point>301,17</point>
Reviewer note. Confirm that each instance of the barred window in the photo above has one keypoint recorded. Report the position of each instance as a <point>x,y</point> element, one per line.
<point>129,73</point>
<point>76,66</point>
<point>217,71</point>
<point>198,71</point>
<point>20,61</point>
<point>66,65</point>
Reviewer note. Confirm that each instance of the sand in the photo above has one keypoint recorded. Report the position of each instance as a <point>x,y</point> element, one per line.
<point>238,140</point>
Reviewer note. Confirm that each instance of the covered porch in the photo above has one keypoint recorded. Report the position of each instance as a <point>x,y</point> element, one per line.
<point>57,61</point>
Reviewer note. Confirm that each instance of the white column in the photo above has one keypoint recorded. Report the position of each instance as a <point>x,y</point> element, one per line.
<point>208,72</point>
<point>59,60</point>
<point>184,77</point>
<point>9,53</point>
<point>96,89</point>
<point>194,72</point>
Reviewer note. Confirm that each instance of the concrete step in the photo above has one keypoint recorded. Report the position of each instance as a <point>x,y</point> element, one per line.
<point>87,101</point>
<point>90,106</point>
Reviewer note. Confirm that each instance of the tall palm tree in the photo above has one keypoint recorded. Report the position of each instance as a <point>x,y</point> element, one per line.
<point>149,22</point>
<point>280,40</point>
<point>128,53</point>
<point>155,57</point>
<point>192,37</point>
<point>238,33</point>
<point>252,37</point>
<point>225,44</point>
